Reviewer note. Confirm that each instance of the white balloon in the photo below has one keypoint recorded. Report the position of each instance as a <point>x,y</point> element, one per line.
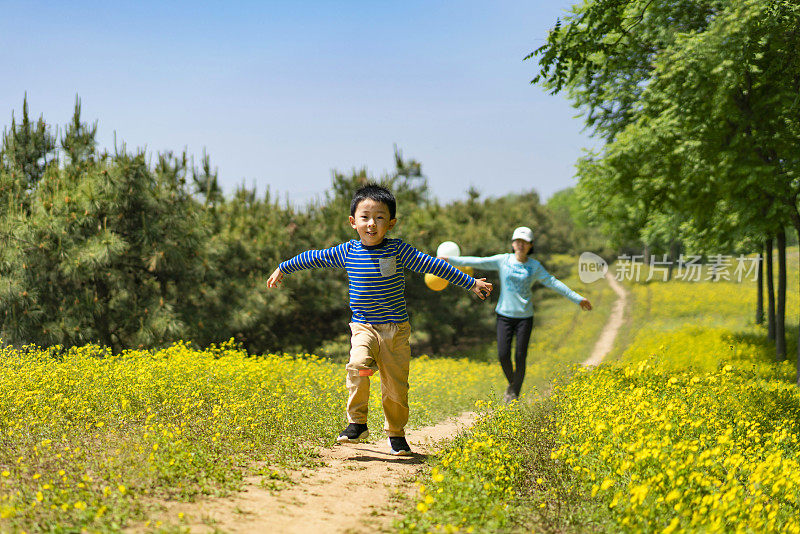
<point>447,249</point>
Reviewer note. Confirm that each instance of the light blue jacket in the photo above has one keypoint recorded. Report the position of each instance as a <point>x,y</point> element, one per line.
<point>516,279</point>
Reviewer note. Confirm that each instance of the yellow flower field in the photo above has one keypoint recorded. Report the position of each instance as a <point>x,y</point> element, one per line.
<point>85,436</point>
<point>694,429</point>
<point>714,451</point>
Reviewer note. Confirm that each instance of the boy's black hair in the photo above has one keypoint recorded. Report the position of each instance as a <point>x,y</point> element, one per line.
<point>375,192</point>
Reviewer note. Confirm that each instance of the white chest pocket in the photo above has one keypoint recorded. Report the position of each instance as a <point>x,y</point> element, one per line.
<point>388,266</point>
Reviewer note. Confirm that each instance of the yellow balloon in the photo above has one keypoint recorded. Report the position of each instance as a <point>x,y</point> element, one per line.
<point>434,282</point>
<point>468,270</point>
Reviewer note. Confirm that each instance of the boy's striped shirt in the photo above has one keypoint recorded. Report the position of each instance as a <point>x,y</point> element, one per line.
<point>377,284</point>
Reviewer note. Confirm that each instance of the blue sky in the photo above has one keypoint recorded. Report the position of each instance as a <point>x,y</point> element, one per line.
<point>282,93</point>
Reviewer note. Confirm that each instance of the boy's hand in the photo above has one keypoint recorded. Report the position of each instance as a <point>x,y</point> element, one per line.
<point>482,288</point>
<point>275,278</point>
<point>445,258</point>
<point>585,305</point>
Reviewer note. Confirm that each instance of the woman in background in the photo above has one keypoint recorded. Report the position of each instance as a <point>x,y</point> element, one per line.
<point>518,272</point>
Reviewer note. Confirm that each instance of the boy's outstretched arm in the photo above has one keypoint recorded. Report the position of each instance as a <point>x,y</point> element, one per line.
<point>310,259</point>
<point>422,263</point>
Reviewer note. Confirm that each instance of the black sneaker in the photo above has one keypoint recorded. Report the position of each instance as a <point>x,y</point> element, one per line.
<point>399,446</point>
<point>354,433</point>
<point>510,395</point>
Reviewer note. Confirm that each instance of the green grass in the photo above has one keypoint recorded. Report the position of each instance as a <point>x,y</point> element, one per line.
<point>657,307</point>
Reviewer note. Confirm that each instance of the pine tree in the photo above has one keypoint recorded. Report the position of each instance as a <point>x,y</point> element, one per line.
<point>79,141</point>
<point>105,253</point>
<point>28,149</point>
<point>108,249</point>
<point>205,181</point>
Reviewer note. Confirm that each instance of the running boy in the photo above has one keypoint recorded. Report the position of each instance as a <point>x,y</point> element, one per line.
<point>379,324</point>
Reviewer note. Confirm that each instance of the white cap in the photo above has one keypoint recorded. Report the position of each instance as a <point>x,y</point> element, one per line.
<point>524,233</point>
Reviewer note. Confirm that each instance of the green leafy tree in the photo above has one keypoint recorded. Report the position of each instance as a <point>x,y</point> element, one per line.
<point>697,101</point>
<point>602,53</point>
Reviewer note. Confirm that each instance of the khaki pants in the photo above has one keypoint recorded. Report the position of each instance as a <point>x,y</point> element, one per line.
<point>383,347</point>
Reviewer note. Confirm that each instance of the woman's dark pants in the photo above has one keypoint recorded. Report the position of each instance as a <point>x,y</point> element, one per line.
<point>507,328</point>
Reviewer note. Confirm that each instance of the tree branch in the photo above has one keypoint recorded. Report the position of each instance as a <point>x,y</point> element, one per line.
<point>639,18</point>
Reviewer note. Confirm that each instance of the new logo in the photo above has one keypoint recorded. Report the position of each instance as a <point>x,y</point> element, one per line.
<point>591,267</point>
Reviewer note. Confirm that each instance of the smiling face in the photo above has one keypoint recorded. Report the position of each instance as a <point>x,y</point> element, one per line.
<point>372,221</point>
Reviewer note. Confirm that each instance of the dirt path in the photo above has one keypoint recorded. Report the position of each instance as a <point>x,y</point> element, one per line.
<point>360,487</point>
<point>606,340</point>
<point>356,491</point>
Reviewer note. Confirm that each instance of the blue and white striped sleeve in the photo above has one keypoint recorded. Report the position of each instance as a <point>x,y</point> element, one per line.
<point>312,259</point>
<point>547,279</point>
<point>420,262</point>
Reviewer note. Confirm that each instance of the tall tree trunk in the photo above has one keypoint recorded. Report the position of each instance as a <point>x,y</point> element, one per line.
<point>674,252</point>
<point>760,290</point>
<point>770,293</point>
<point>780,312</point>
<point>102,313</point>
<point>796,219</point>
